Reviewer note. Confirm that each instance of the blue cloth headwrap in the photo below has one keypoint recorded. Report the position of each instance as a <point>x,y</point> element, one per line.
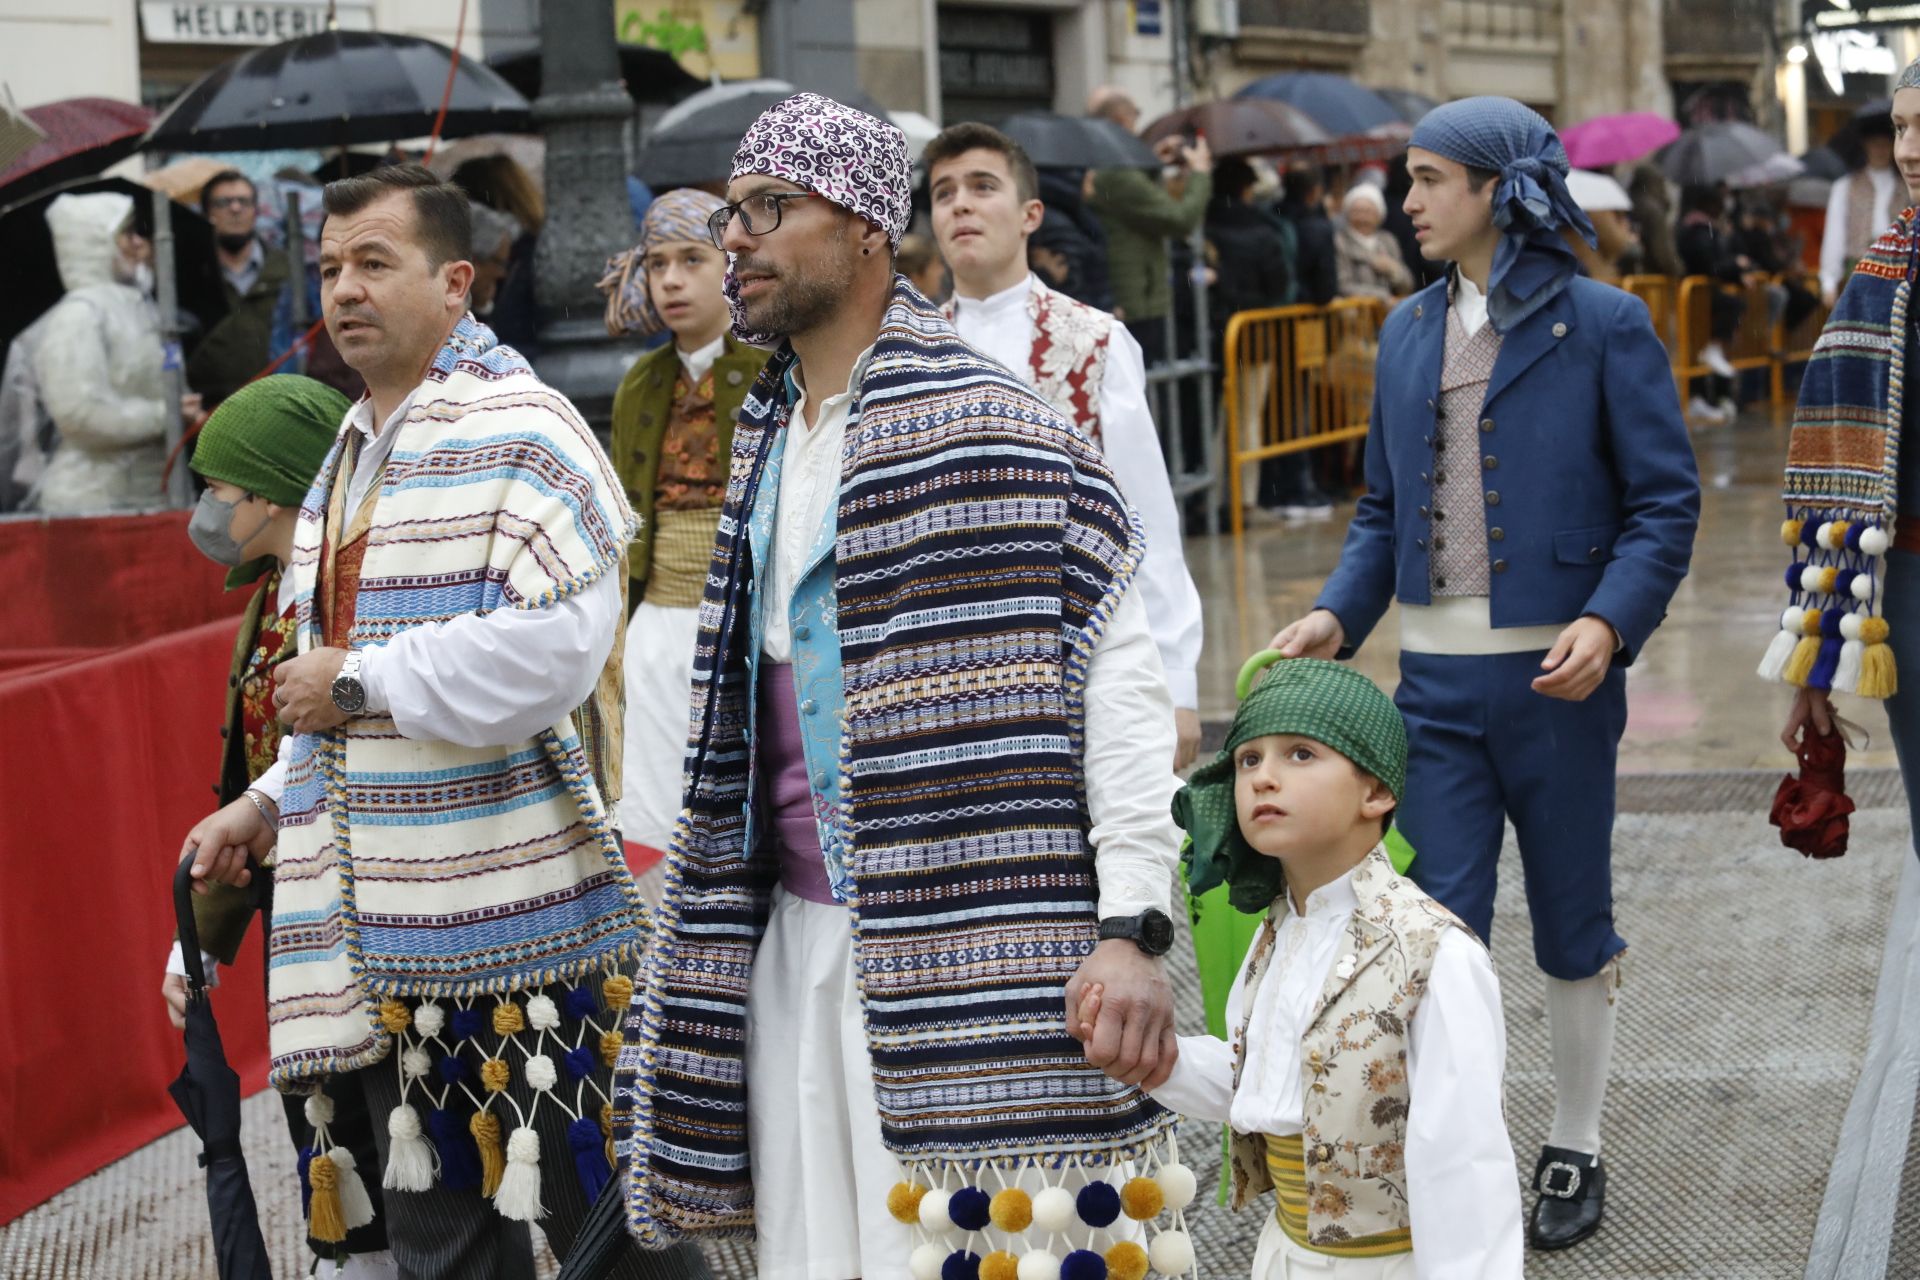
<point>1530,204</point>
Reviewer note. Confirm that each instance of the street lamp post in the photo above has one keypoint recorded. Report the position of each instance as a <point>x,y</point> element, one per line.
<point>582,111</point>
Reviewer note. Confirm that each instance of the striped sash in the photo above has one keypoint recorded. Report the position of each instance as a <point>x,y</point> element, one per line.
<point>1287,1166</point>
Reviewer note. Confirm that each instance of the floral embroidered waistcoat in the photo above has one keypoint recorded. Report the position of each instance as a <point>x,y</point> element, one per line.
<point>1354,1060</point>
<point>1069,355</point>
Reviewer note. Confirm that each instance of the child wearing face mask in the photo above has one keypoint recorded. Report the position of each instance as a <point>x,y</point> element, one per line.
<point>258,454</point>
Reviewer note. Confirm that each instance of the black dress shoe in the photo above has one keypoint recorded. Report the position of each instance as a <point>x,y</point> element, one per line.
<point>1573,1196</point>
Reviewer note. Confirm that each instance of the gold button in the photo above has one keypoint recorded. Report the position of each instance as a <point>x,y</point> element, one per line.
<point>1496,533</point>
<point>1486,424</point>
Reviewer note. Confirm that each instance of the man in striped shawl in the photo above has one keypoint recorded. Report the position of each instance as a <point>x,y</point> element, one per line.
<point>928,791</point>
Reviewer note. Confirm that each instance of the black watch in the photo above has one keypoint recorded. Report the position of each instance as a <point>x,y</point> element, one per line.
<point>1151,930</point>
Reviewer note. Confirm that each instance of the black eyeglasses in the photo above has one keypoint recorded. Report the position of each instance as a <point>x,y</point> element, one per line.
<point>759,214</point>
<point>231,202</point>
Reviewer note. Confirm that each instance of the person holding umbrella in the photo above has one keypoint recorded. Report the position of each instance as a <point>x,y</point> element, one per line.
<point>1531,567</point>
<point>258,454</point>
<point>454,924</point>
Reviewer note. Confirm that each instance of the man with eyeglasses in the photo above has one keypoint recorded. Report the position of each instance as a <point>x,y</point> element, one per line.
<point>927,793</point>
<point>239,344</point>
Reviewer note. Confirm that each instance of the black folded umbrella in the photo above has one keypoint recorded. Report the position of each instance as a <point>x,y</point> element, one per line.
<point>333,89</point>
<point>208,1095</point>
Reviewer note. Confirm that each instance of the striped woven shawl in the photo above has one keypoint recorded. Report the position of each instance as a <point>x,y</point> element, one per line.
<point>1842,480</point>
<point>415,867</point>
<point>980,549</point>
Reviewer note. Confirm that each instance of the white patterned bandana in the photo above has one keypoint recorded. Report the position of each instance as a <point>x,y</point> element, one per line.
<point>840,154</point>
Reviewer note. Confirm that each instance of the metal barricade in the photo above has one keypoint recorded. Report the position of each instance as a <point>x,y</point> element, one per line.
<point>1795,345</point>
<point>1296,378</point>
<point>1657,293</point>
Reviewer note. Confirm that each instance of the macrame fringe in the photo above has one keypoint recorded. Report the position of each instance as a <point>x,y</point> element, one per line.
<point>410,1159</point>
<point>518,1196</point>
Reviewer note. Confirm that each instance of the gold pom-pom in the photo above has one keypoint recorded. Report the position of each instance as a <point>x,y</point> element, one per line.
<point>617,991</point>
<point>903,1202</point>
<point>494,1074</point>
<point>1011,1211</point>
<point>1873,630</point>
<point>999,1265</point>
<point>1790,532</point>
<point>1127,1260</point>
<point>1141,1199</point>
<point>1810,624</point>
<point>395,1017</point>
<point>508,1018</point>
<point>610,1042</point>
<point>1829,579</point>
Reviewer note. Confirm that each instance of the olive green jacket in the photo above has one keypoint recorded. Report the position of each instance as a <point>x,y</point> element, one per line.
<point>641,409</point>
<point>1140,217</point>
<point>240,344</point>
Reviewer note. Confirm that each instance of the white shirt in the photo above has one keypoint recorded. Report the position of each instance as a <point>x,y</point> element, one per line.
<point>696,363</point>
<point>998,327</point>
<point>1130,733</point>
<point>1833,240</point>
<point>1463,1194</point>
<point>1468,303</point>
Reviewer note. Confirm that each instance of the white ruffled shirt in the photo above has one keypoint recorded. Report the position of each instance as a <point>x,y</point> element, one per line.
<point>998,326</point>
<point>1130,733</point>
<point>1462,1190</point>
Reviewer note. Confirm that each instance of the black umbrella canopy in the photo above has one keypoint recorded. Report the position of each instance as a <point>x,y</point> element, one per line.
<point>693,143</point>
<point>1242,126</point>
<point>1077,142</point>
<point>1710,153</point>
<point>336,88</point>
<point>651,75</point>
<point>1410,103</point>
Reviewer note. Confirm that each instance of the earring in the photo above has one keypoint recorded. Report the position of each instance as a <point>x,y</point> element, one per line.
<point>865,252</point>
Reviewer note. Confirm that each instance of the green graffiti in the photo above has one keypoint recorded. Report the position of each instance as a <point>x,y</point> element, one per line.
<point>666,32</point>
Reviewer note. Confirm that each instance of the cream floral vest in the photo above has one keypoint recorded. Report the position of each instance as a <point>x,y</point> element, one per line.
<point>1354,1059</point>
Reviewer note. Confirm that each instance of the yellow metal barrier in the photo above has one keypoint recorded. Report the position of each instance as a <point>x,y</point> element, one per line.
<point>1657,293</point>
<point>1761,341</point>
<point>1296,378</point>
<point>1795,345</point>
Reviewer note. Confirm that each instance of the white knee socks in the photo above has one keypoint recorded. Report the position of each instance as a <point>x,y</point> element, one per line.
<point>1580,1018</point>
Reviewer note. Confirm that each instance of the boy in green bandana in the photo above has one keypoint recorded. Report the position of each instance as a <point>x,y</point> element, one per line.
<point>1363,1078</point>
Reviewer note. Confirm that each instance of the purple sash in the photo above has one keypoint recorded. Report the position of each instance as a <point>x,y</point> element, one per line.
<point>787,796</point>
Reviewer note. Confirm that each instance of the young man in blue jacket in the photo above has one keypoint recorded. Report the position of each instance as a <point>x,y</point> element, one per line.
<point>1531,503</point>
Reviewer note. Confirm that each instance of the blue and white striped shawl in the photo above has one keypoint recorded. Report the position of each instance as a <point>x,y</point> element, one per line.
<point>981,547</point>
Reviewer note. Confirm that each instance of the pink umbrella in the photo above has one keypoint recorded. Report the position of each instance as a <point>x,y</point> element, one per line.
<point>1611,140</point>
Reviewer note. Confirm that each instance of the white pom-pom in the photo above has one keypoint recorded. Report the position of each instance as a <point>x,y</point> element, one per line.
<point>1171,1253</point>
<point>542,1013</point>
<point>1054,1209</point>
<point>414,1063</point>
<point>1862,587</point>
<point>356,1206</point>
<point>1773,663</point>
<point>1790,620</point>
<point>519,1195</point>
<point>319,1109</point>
<point>410,1158</point>
<point>933,1214</point>
<point>1846,676</point>
<point>1038,1264</point>
<point>429,1019</point>
<point>1810,578</point>
<point>1178,1185</point>
<point>541,1073</point>
<point>1849,626</point>
<point>1873,542</point>
<point>925,1262</point>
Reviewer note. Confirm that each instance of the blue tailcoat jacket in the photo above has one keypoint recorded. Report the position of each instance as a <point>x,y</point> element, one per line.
<point>1590,492</point>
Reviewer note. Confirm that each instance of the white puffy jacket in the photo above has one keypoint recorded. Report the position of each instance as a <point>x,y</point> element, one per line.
<point>100,369</point>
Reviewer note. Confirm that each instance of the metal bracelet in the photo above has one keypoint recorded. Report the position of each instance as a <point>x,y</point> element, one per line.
<point>267,815</point>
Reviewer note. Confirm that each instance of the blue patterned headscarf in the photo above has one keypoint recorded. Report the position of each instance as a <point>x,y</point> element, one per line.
<point>1530,204</point>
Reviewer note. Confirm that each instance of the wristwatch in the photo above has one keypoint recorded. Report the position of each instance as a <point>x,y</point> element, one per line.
<point>1151,930</point>
<point>348,693</point>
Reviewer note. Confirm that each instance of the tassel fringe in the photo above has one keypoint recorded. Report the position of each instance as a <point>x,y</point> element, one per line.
<point>518,1196</point>
<point>326,1220</point>
<point>411,1163</point>
<point>356,1206</point>
<point>1773,664</point>
<point>1805,653</point>
<point>485,1127</point>
<point>1878,678</point>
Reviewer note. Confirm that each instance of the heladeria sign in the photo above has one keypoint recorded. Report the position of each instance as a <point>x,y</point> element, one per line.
<point>268,23</point>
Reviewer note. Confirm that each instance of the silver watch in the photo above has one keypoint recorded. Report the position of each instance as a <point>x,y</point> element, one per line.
<point>348,693</point>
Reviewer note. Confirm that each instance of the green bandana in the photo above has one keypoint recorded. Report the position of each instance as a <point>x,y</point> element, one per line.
<point>271,436</point>
<point>1325,701</point>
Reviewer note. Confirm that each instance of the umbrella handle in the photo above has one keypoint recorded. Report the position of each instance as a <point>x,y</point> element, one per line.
<point>189,929</point>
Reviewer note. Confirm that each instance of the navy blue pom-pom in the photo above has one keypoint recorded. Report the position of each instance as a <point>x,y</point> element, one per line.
<point>961,1265</point>
<point>1793,574</point>
<point>1099,1205</point>
<point>1085,1264</point>
<point>452,1068</point>
<point>969,1209</point>
<point>581,1062</point>
<point>459,1157</point>
<point>467,1023</point>
<point>581,1002</point>
<point>1854,530</point>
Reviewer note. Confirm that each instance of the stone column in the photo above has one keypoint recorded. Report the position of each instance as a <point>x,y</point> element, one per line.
<point>582,110</point>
